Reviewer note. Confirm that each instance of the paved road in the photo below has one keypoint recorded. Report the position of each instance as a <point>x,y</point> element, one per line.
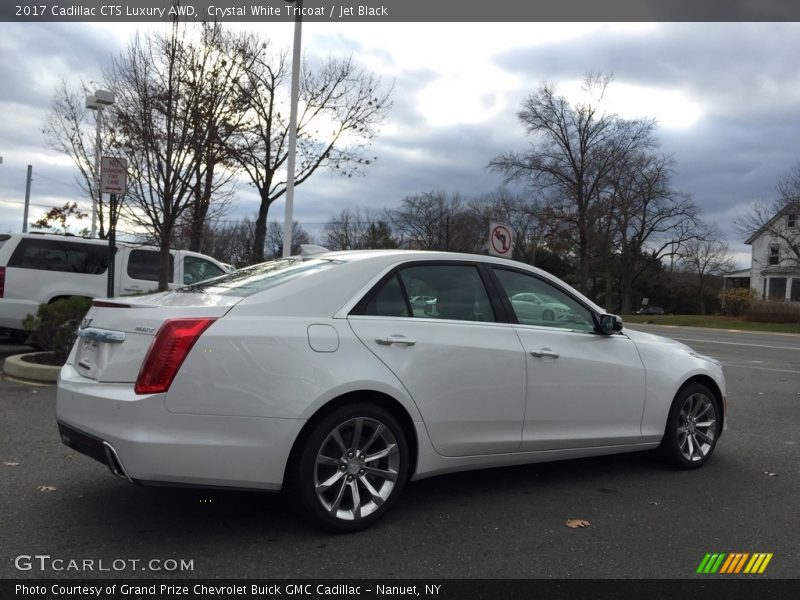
<point>646,520</point>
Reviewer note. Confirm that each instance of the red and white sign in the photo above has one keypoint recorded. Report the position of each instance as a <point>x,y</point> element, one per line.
<point>113,176</point>
<point>501,240</point>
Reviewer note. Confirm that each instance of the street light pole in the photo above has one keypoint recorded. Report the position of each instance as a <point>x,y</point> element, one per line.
<point>290,162</point>
<point>97,101</point>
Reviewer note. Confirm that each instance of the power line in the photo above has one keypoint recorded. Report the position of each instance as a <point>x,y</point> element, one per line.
<point>41,205</point>
<point>36,174</point>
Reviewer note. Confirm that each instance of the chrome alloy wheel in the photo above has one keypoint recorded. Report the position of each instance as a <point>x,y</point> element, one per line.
<point>356,468</point>
<point>697,426</point>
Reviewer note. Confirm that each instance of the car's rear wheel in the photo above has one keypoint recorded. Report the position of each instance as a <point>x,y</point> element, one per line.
<point>693,427</point>
<point>351,468</point>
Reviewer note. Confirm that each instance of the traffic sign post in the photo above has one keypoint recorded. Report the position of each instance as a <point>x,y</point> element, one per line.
<point>113,181</point>
<point>501,240</point>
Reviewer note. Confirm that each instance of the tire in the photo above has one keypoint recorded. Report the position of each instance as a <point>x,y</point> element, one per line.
<point>693,428</point>
<point>17,336</point>
<point>333,475</point>
<point>548,315</point>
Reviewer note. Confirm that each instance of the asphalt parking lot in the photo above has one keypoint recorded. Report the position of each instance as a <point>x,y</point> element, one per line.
<point>646,520</point>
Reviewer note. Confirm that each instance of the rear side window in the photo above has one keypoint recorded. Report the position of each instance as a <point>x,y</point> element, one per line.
<point>56,255</point>
<point>454,292</point>
<point>388,301</point>
<point>145,264</point>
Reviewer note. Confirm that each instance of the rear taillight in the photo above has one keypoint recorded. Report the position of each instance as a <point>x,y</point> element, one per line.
<point>2,281</point>
<point>167,352</point>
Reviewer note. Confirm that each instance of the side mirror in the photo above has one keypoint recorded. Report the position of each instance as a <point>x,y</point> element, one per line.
<point>609,324</point>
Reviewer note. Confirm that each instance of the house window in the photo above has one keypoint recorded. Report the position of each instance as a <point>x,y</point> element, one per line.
<point>774,255</point>
<point>791,221</point>
<point>795,291</point>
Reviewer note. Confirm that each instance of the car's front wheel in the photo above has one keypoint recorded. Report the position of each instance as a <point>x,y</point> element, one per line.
<point>693,427</point>
<point>351,468</point>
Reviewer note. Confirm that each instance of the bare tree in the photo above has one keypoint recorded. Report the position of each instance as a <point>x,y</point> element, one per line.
<point>170,126</point>
<point>356,229</point>
<point>651,219</point>
<point>574,152</point>
<point>706,256</point>
<point>68,128</point>
<point>231,242</point>
<point>274,248</point>
<point>780,219</point>
<point>217,69</point>
<point>438,221</point>
<point>340,107</point>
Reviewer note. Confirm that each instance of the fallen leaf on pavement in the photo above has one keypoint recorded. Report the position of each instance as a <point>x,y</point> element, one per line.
<point>576,523</point>
<point>11,464</point>
<point>770,474</point>
<point>46,488</point>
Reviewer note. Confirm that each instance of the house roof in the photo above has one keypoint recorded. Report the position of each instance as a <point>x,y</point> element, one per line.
<point>788,209</point>
<point>736,274</point>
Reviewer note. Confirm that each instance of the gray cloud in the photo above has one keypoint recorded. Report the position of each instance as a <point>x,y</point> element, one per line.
<point>745,75</point>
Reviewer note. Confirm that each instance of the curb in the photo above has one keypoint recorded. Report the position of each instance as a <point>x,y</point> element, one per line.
<point>16,367</point>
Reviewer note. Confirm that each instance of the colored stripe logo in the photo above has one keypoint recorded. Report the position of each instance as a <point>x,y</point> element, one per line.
<point>734,563</point>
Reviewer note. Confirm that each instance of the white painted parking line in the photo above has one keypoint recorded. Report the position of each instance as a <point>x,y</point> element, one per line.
<point>795,348</point>
<point>727,365</point>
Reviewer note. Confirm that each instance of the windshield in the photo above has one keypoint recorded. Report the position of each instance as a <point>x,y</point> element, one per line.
<point>250,280</point>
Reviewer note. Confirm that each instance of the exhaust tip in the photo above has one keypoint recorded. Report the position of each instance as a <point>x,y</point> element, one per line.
<point>114,463</point>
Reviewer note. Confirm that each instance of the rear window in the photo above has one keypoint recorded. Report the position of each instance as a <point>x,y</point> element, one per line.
<point>250,280</point>
<point>57,255</point>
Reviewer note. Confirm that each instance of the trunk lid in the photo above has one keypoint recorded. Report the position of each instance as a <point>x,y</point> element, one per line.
<point>116,334</point>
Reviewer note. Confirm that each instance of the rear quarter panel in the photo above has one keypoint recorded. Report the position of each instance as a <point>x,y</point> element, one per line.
<point>266,367</point>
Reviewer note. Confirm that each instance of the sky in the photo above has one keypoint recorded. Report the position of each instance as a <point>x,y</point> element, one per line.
<point>726,97</point>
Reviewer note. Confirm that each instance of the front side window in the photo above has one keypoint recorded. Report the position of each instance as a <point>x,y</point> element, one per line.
<point>146,264</point>
<point>57,255</point>
<point>537,302</point>
<point>774,255</point>
<point>199,269</point>
<point>454,292</point>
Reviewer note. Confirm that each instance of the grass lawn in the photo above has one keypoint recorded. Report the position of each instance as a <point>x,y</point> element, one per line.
<point>714,322</point>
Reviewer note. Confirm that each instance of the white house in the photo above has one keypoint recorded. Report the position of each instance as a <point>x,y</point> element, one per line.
<point>775,267</point>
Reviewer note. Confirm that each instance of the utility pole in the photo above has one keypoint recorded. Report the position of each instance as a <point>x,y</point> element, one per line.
<point>287,218</point>
<point>27,199</point>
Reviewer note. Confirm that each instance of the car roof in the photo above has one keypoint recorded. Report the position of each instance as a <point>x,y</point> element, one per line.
<point>388,257</point>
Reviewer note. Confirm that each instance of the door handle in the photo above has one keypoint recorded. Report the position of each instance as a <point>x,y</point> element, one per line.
<point>395,339</point>
<point>544,352</point>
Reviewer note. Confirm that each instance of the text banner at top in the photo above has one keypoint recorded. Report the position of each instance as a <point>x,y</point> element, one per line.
<point>342,11</point>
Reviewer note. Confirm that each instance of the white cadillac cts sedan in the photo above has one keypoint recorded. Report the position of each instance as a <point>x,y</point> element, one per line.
<point>318,375</point>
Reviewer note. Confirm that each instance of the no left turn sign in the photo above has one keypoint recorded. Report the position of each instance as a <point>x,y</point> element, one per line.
<point>501,240</point>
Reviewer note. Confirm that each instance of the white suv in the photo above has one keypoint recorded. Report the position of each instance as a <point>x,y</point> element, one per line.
<point>40,268</point>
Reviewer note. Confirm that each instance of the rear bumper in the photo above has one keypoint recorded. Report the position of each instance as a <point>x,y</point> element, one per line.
<point>141,441</point>
<point>93,447</point>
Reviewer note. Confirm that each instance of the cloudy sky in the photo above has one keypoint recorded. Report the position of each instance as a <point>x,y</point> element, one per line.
<point>726,97</point>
